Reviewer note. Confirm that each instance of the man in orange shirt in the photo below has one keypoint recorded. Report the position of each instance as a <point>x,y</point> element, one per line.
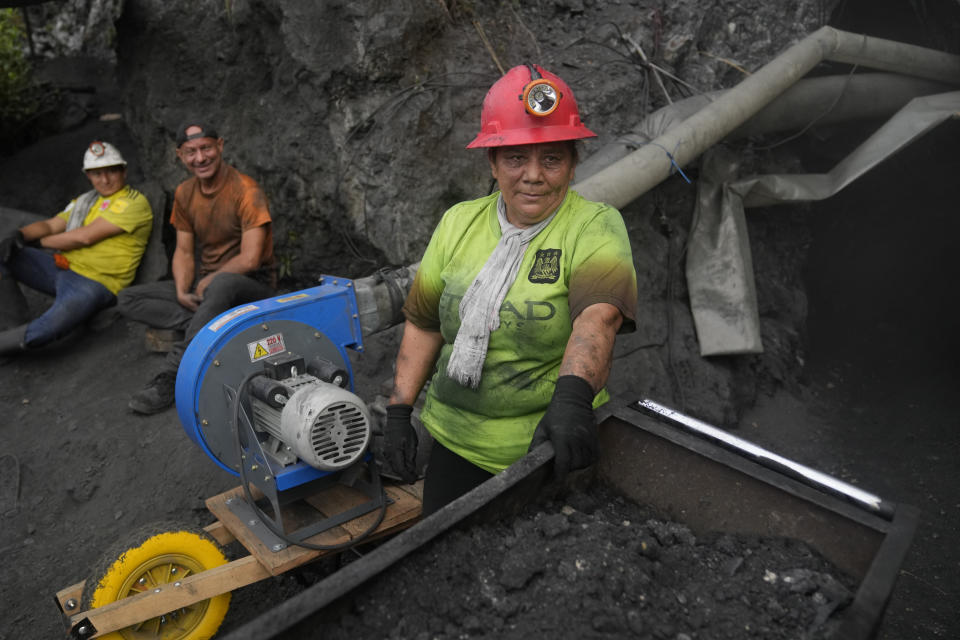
<point>222,214</point>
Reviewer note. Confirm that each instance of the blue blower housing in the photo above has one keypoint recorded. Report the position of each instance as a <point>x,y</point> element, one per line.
<point>317,324</point>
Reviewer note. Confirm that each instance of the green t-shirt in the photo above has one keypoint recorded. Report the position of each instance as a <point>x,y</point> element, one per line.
<point>581,258</point>
<point>113,261</point>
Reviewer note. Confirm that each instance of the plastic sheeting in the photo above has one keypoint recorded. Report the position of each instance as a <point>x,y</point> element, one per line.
<point>719,269</point>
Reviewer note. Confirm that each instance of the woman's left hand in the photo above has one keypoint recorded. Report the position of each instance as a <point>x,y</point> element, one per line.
<point>570,425</point>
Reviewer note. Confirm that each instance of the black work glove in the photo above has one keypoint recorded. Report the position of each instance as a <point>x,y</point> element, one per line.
<point>570,425</point>
<point>10,245</point>
<point>400,439</point>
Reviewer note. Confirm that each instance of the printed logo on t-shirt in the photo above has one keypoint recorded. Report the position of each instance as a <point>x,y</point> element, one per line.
<point>546,267</point>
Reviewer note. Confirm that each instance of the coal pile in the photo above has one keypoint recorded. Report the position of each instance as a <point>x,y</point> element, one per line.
<point>594,565</point>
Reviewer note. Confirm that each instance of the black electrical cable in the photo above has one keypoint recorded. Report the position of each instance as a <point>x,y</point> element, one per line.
<point>672,263</point>
<point>238,406</point>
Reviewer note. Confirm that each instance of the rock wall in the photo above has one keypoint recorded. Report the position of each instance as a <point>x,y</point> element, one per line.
<point>354,117</point>
<point>74,28</point>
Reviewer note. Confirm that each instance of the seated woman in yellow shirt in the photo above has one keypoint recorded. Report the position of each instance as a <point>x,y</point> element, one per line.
<point>82,256</point>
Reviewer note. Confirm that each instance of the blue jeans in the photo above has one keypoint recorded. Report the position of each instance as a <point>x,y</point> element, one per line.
<point>75,298</point>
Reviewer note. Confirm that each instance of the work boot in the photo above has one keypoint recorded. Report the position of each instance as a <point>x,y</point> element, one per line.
<point>157,395</point>
<point>11,340</point>
<point>13,305</point>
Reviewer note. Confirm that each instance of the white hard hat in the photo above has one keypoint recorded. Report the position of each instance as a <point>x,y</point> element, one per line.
<point>102,154</point>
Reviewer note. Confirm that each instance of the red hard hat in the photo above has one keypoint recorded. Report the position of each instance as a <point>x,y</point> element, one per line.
<point>529,105</point>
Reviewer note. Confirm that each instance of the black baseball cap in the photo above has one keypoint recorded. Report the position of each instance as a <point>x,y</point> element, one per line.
<point>206,131</point>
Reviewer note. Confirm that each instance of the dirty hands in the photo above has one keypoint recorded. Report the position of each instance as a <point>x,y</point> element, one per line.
<point>188,299</point>
<point>192,299</point>
<point>203,284</point>
<point>400,439</point>
<point>10,245</point>
<point>570,425</point>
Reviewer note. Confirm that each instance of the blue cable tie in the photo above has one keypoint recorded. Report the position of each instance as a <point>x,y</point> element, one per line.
<point>674,163</point>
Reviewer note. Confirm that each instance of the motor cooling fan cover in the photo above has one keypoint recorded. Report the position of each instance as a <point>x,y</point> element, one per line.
<point>326,426</point>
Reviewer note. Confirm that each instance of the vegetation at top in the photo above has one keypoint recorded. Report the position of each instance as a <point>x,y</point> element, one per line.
<point>18,96</point>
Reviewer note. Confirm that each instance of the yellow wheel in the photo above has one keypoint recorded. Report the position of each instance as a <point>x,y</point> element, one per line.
<point>153,556</point>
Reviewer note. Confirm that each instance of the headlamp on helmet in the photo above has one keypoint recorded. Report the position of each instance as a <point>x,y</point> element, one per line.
<point>540,96</point>
<point>102,154</point>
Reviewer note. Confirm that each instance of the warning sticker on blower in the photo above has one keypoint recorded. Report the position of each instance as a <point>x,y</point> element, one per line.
<point>266,347</point>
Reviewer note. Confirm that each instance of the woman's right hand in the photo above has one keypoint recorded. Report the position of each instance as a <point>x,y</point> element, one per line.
<point>401,441</point>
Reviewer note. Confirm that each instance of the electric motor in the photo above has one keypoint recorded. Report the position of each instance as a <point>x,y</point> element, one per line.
<point>321,424</point>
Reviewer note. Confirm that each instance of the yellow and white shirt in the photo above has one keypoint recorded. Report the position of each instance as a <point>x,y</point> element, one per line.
<point>113,261</point>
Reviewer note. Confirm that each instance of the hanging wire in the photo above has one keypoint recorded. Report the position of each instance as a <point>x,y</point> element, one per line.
<point>673,264</point>
<point>810,124</point>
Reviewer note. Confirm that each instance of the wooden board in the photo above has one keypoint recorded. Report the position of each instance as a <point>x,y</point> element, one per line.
<point>403,512</point>
<point>69,597</point>
<point>171,596</point>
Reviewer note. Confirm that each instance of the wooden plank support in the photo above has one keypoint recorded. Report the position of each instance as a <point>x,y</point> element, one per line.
<point>405,508</point>
<point>403,512</point>
<point>171,596</point>
<point>68,599</point>
<point>220,533</point>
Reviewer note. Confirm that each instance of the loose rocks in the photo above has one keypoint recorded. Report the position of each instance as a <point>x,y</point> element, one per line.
<point>607,569</point>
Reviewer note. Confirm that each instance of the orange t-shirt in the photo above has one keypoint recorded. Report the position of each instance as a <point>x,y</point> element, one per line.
<point>217,220</point>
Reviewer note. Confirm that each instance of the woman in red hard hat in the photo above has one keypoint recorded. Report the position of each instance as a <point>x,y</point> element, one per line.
<point>514,309</point>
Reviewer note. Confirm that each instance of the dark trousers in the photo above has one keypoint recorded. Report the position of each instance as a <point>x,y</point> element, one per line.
<point>448,477</point>
<point>155,304</point>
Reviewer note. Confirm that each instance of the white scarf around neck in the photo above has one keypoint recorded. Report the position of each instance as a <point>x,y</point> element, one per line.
<point>81,207</point>
<point>480,306</point>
